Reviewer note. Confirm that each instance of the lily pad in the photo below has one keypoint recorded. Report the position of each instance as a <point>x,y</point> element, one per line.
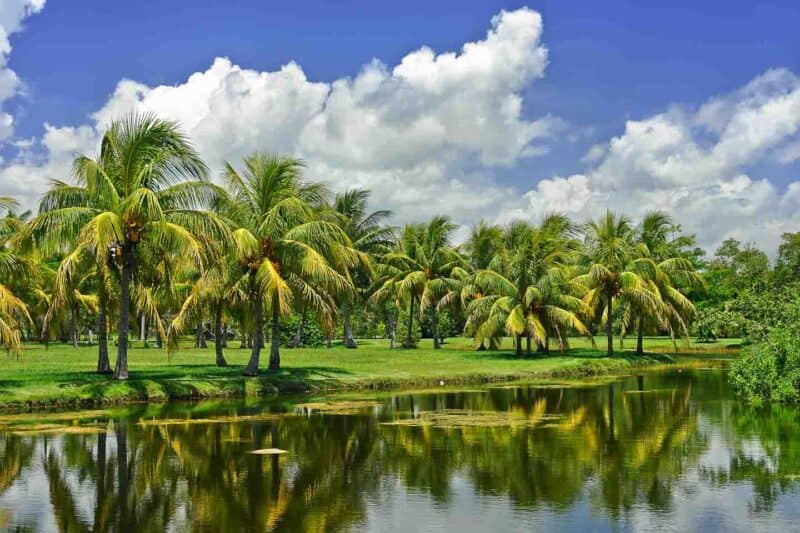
<point>268,451</point>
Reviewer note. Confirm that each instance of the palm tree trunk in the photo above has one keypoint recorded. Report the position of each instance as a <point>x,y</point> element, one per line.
<point>275,345</point>
<point>349,341</point>
<point>198,335</point>
<point>103,365</point>
<point>640,338</point>
<point>435,328</point>
<point>298,334</point>
<point>100,485</point>
<point>518,342</point>
<point>121,366</point>
<point>409,342</point>
<point>394,316</point>
<point>255,354</point>
<point>610,325</point>
<point>142,327</point>
<point>73,326</point>
<point>528,344</point>
<point>218,335</point>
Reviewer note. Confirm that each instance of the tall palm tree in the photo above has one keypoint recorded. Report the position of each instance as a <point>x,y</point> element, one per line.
<point>369,237</point>
<point>147,186</point>
<point>485,242</point>
<point>284,242</point>
<point>213,291</point>
<point>658,239</point>
<point>528,292</point>
<point>424,269</point>
<point>13,311</point>
<point>613,270</point>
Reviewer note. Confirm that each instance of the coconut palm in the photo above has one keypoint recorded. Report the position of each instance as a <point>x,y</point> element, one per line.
<point>369,238</point>
<point>284,242</point>
<point>613,270</point>
<point>146,187</point>
<point>13,267</point>
<point>673,274</point>
<point>424,268</point>
<point>213,291</point>
<point>528,291</point>
<point>485,242</point>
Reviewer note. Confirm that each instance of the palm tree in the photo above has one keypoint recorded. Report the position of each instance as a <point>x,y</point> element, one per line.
<point>13,311</point>
<point>213,290</point>
<point>424,269</point>
<point>369,238</point>
<point>283,241</point>
<point>146,187</point>
<point>485,242</point>
<point>528,291</point>
<point>612,270</point>
<point>673,274</point>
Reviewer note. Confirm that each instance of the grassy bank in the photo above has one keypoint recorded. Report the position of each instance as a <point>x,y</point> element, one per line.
<point>62,375</point>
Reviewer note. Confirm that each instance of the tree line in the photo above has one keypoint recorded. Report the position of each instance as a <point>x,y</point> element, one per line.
<point>142,236</point>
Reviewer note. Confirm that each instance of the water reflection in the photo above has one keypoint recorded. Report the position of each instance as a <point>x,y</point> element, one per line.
<point>669,450</point>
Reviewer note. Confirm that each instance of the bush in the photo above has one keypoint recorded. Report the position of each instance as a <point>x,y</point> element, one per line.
<point>713,323</point>
<point>312,333</point>
<point>769,370</point>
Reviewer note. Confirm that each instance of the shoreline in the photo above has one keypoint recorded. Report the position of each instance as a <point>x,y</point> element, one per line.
<point>153,390</point>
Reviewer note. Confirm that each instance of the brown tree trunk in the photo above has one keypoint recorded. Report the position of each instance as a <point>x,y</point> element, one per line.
<point>121,366</point>
<point>298,333</point>
<point>275,345</point>
<point>435,328</point>
<point>258,312</point>
<point>103,365</point>
<point>610,325</point>
<point>218,339</point>
<point>409,342</point>
<point>640,338</point>
<point>348,340</point>
<point>73,326</point>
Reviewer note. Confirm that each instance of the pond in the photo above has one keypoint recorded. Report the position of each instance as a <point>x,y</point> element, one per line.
<point>663,451</point>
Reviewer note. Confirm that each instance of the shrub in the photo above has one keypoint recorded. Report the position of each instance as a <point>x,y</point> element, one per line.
<point>312,333</point>
<point>769,370</point>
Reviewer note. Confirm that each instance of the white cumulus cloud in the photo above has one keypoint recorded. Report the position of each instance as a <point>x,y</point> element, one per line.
<point>420,134</point>
<point>12,13</point>
<point>694,165</point>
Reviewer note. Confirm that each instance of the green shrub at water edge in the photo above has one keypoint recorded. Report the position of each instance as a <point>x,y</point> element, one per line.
<point>770,370</point>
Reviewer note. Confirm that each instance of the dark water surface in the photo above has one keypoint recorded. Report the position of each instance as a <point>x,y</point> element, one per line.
<point>665,451</point>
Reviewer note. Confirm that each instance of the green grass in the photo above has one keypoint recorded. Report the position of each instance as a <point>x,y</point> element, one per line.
<point>62,375</point>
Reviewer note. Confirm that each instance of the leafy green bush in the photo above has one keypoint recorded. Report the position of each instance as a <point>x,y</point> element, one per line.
<point>312,332</point>
<point>770,369</point>
<point>714,323</point>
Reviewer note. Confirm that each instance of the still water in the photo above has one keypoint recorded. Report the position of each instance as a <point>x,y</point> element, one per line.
<point>664,451</point>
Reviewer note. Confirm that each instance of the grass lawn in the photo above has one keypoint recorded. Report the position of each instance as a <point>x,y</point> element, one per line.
<point>62,375</point>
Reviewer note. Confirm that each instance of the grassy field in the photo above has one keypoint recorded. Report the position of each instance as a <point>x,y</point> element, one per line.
<point>62,375</point>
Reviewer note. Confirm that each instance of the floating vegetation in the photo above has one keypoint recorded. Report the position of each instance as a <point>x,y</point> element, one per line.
<point>50,429</point>
<point>7,420</point>
<point>460,418</point>
<point>216,420</point>
<point>338,408</point>
<point>268,451</point>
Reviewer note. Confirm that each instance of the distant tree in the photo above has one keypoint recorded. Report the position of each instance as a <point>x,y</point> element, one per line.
<point>787,264</point>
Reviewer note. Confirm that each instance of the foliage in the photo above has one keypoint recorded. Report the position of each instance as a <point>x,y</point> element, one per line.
<point>713,323</point>
<point>312,334</point>
<point>770,370</point>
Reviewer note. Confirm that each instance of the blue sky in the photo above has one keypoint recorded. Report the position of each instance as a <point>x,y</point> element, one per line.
<point>607,63</point>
